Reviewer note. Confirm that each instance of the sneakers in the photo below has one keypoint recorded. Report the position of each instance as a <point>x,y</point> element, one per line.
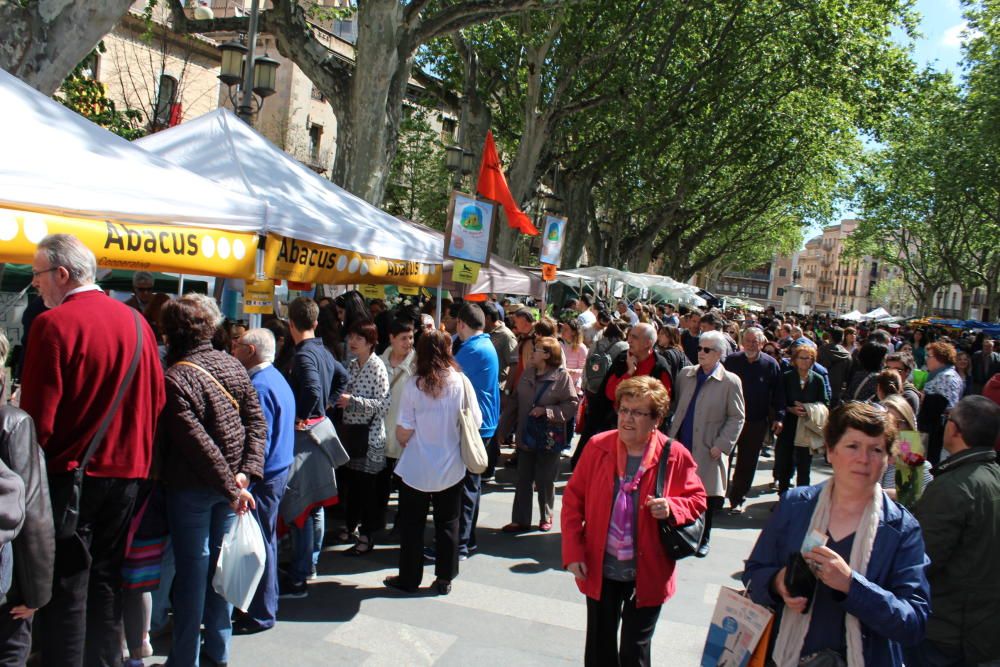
<point>430,555</point>
<point>292,591</point>
<point>313,574</point>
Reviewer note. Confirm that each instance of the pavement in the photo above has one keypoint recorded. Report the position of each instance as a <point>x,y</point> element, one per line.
<point>511,604</point>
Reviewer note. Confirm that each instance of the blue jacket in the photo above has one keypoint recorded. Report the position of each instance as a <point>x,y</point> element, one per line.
<point>278,405</point>
<point>480,363</point>
<point>891,600</point>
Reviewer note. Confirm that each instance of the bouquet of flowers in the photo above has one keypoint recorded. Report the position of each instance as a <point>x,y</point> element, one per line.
<point>909,468</point>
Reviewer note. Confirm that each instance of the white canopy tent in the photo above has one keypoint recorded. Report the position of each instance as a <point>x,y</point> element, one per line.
<point>55,161</point>
<point>877,314</point>
<point>853,316</point>
<point>301,204</point>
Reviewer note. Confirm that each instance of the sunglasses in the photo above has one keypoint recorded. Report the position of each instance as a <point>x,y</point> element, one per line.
<point>707,350</point>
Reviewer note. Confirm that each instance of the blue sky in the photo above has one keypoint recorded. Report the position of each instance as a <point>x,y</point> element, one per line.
<point>941,27</point>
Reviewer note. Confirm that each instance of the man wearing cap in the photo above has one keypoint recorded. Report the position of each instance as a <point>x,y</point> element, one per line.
<point>142,290</point>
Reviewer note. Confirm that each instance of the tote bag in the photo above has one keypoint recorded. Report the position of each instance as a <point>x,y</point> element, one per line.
<point>473,450</point>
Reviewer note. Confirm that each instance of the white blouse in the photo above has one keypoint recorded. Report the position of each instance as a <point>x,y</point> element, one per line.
<point>432,459</point>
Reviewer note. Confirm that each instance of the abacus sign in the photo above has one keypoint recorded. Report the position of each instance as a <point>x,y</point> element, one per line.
<point>133,246</point>
<point>290,259</point>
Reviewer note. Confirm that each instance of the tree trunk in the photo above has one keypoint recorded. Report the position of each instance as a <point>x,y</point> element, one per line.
<point>41,41</point>
<point>367,132</point>
<point>577,192</point>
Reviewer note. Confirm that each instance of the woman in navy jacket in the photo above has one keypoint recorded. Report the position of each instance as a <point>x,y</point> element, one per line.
<point>871,595</point>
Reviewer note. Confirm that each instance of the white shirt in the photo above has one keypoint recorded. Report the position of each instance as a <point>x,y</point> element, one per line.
<point>432,459</point>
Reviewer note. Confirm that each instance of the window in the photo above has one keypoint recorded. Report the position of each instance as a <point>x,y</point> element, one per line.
<point>91,65</point>
<point>315,139</point>
<point>317,95</point>
<point>448,126</point>
<point>165,97</point>
<point>782,273</point>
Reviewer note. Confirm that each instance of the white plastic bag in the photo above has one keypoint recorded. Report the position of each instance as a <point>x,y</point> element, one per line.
<point>241,562</point>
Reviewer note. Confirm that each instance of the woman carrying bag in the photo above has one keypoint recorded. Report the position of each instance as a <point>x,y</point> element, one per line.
<point>546,402</point>
<point>842,564</point>
<point>365,403</point>
<point>430,469</point>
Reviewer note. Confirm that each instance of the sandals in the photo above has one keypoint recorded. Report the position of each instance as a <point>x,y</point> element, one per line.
<point>362,547</point>
<point>545,526</point>
<point>344,536</point>
<point>396,583</point>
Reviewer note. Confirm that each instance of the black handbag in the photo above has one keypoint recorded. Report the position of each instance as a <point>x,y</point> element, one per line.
<point>354,437</point>
<point>678,541</point>
<point>66,489</point>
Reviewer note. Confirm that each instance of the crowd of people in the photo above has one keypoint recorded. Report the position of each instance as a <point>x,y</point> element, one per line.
<point>146,429</point>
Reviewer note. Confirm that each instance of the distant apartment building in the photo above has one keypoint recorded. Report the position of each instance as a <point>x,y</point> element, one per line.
<point>830,281</point>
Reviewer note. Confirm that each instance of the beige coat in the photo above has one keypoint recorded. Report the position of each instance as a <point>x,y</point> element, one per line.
<point>397,380</point>
<point>718,419</point>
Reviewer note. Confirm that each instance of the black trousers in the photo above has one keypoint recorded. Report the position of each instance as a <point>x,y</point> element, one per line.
<point>362,506</point>
<point>714,505</point>
<point>412,519</point>
<point>617,605</point>
<point>789,459</point>
<point>747,454</point>
<point>81,625</point>
<point>384,485</point>
<point>15,638</point>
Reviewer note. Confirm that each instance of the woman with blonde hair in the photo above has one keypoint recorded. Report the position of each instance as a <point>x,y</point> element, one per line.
<point>610,529</point>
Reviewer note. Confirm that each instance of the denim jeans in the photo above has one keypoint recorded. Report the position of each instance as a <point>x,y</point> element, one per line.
<point>469,516</point>
<point>199,519</point>
<point>161,596</point>
<point>307,544</point>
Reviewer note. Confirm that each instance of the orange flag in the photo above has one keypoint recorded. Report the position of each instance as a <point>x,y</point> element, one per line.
<point>493,185</point>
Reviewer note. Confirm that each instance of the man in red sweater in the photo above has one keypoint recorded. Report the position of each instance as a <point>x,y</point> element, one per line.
<point>79,355</point>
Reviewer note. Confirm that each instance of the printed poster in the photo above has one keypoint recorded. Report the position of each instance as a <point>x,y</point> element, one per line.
<point>553,235</point>
<point>469,234</point>
<point>737,626</point>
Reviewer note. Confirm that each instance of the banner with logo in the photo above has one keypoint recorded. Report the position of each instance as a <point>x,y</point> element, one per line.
<point>469,233</point>
<point>465,272</point>
<point>290,259</point>
<point>133,246</point>
<point>553,234</point>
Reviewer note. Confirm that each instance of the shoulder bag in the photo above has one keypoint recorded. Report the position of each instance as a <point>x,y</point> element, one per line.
<point>67,491</point>
<point>354,437</point>
<point>540,434</point>
<point>678,541</point>
<point>473,450</point>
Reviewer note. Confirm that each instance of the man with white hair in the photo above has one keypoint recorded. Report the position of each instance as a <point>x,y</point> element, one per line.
<point>255,350</point>
<point>142,290</point>
<point>639,359</point>
<point>763,394</point>
<point>708,419</point>
<point>74,387</point>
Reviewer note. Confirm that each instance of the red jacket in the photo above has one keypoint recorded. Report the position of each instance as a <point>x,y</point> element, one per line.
<point>586,515</point>
<point>78,356</point>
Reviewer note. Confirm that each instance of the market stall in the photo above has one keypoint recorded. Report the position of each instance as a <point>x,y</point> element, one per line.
<point>316,231</point>
<point>62,173</point>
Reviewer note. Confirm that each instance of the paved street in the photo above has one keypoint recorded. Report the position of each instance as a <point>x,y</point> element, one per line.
<point>511,605</point>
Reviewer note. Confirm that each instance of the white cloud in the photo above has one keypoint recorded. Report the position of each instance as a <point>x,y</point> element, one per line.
<point>956,35</point>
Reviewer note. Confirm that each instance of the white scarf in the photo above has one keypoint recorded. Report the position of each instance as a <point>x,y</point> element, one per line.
<point>794,626</point>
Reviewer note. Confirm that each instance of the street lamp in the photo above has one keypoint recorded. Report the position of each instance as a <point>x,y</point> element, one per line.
<point>254,75</point>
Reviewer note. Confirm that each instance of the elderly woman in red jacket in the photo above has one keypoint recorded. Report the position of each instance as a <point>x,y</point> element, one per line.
<point>613,548</point>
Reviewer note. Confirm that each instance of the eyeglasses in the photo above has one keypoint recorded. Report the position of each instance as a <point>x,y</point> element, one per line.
<point>629,412</point>
<point>35,274</point>
<point>707,350</point>
<point>143,289</point>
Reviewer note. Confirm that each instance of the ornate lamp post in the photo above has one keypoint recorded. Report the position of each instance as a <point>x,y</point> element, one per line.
<point>254,75</point>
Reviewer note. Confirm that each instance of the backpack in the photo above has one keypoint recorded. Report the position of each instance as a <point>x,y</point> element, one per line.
<point>599,363</point>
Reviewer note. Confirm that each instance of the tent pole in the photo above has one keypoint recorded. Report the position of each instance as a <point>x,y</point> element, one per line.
<point>258,275</point>
<point>440,289</point>
<point>180,286</point>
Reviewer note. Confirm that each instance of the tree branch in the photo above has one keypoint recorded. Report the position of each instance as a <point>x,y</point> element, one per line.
<point>471,12</point>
